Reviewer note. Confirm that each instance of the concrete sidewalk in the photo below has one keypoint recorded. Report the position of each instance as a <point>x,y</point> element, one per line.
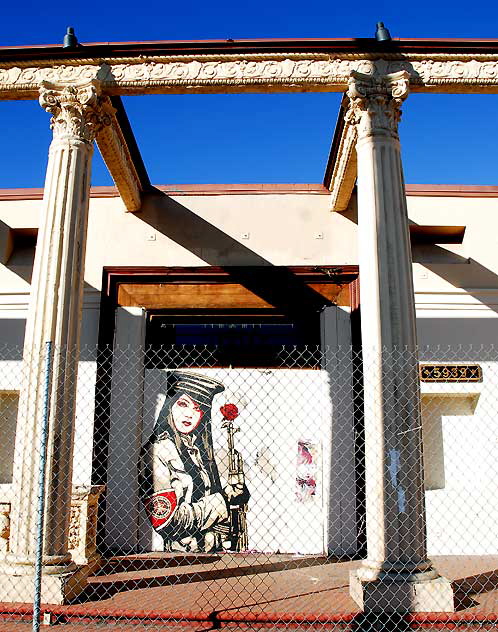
<point>255,590</point>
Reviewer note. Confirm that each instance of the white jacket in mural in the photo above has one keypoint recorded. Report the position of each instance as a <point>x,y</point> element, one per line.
<point>184,508</point>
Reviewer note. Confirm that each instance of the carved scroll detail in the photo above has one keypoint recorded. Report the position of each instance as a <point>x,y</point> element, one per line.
<point>252,73</point>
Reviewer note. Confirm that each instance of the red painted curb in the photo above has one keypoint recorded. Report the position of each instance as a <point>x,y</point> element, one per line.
<point>74,613</point>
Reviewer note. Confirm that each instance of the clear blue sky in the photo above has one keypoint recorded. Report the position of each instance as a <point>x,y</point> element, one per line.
<point>256,138</point>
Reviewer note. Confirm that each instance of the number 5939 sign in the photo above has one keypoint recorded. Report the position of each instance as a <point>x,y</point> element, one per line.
<point>450,373</point>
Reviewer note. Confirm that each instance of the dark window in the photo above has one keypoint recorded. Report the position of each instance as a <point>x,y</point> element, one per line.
<point>238,339</point>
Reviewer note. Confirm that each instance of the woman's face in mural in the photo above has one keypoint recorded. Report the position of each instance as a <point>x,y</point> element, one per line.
<point>186,414</point>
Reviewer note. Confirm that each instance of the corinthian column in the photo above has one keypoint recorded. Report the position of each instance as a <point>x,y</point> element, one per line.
<point>397,576</point>
<point>54,315</point>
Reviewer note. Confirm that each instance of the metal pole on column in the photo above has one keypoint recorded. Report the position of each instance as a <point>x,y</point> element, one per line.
<point>41,487</point>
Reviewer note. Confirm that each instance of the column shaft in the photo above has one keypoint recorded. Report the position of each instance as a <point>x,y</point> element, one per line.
<point>54,315</point>
<point>395,503</point>
<point>395,518</point>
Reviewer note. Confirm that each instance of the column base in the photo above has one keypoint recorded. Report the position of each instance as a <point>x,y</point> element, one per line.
<point>395,593</point>
<point>17,584</point>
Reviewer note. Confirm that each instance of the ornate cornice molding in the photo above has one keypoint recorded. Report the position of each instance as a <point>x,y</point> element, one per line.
<point>251,73</point>
<point>76,108</point>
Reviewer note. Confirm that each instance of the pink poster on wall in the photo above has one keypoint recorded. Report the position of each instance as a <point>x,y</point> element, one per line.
<point>307,458</point>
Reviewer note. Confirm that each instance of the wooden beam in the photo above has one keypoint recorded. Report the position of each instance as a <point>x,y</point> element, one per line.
<point>204,295</point>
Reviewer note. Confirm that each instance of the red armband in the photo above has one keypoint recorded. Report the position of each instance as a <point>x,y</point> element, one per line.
<point>160,507</point>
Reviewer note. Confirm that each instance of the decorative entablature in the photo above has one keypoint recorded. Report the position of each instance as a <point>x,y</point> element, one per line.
<point>452,66</point>
<point>251,72</point>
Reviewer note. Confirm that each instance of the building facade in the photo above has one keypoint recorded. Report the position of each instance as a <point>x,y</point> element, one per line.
<point>311,307</point>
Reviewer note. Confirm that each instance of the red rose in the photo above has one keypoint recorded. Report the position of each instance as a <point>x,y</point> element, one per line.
<point>229,411</point>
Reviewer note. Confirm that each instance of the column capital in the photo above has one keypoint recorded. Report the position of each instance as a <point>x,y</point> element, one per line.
<point>78,110</point>
<point>375,102</point>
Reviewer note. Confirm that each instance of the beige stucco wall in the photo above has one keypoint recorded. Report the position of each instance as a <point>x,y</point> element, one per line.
<point>456,285</point>
<point>203,230</point>
<point>457,282</point>
<point>456,290</point>
<point>280,229</point>
<point>452,281</point>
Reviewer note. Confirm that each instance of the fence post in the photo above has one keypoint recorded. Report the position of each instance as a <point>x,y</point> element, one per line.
<point>41,486</point>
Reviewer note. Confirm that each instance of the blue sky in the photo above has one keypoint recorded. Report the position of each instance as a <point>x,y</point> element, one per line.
<point>256,138</point>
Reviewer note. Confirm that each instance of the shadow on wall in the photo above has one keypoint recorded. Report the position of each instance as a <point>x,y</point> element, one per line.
<point>280,287</point>
<point>198,236</point>
<point>12,338</point>
<point>449,338</point>
<point>17,254</point>
<point>12,332</point>
<point>463,273</point>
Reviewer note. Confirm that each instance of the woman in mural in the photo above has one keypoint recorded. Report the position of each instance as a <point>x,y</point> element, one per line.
<point>181,487</point>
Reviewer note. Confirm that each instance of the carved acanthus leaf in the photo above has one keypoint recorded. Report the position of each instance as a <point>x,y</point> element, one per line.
<point>375,102</point>
<point>278,72</point>
<point>76,109</point>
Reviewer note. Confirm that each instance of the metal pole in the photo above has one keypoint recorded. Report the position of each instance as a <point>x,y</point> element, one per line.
<point>41,488</point>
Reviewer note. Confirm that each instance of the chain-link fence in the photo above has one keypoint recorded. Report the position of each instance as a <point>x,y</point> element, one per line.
<point>311,492</point>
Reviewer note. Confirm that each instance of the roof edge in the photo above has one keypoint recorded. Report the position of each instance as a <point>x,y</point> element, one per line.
<point>227,46</point>
<point>452,190</point>
<point>423,190</point>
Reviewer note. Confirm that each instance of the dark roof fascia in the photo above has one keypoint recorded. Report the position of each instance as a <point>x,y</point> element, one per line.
<point>246,46</point>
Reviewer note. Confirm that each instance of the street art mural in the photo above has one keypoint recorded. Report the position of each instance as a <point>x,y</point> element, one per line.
<point>182,492</point>
<point>235,460</point>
